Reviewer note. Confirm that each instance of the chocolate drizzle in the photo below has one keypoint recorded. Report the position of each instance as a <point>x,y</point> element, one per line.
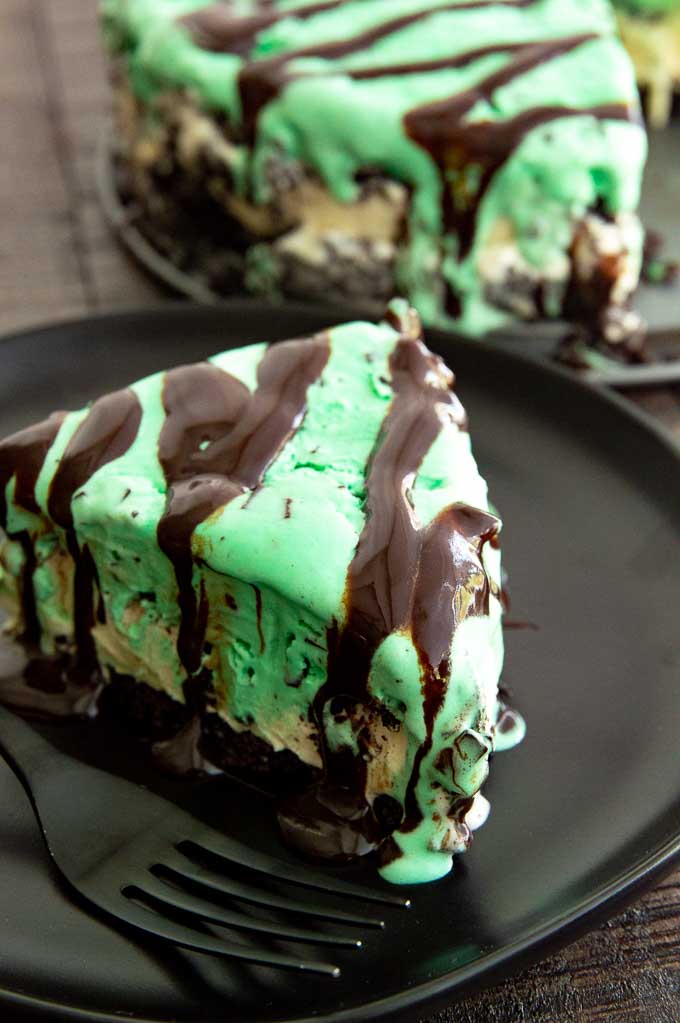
<point>261,80</point>
<point>459,60</point>
<point>456,144</point>
<point>452,586</point>
<point>57,685</point>
<point>22,455</point>
<point>202,405</point>
<point>218,29</point>
<point>402,577</point>
<point>105,434</point>
<point>382,575</point>
<point>216,443</point>
<point>31,625</point>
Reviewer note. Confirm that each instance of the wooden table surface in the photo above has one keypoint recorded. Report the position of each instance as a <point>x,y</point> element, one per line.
<point>58,260</point>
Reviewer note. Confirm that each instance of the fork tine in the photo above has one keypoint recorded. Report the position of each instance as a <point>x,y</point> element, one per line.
<point>173,898</point>
<point>185,870</point>
<point>154,923</point>
<point>219,845</point>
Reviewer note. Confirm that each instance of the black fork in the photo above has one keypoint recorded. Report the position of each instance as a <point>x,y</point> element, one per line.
<point>141,859</point>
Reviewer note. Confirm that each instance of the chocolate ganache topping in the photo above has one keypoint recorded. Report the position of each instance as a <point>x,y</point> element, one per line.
<point>402,577</point>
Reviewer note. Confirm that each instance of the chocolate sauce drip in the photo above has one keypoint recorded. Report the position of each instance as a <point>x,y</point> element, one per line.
<point>422,67</point>
<point>202,405</point>
<point>382,575</point>
<point>22,456</point>
<point>31,626</point>
<point>261,81</point>
<point>455,144</point>
<point>489,146</point>
<point>402,576</point>
<point>218,29</point>
<point>216,443</point>
<point>452,586</point>
<point>105,434</point>
<point>452,582</point>
<point>85,582</point>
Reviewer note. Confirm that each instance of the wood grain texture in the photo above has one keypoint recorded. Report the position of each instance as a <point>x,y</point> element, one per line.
<point>58,259</point>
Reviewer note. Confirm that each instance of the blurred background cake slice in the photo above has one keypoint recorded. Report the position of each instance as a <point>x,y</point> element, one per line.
<point>650,30</point>
<point>482,158</point>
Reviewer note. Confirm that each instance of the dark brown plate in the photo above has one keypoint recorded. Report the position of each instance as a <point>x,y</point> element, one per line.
<point>584,813</point>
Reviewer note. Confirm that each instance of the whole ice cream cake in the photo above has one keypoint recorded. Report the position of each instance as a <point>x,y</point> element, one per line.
<point>481,157</point>
<point>281,560</point>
